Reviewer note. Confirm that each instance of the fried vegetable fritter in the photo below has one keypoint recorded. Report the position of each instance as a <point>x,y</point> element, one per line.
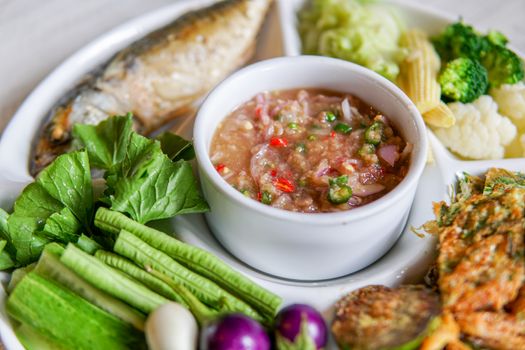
<point>481,265</point>
<point>378,317</point>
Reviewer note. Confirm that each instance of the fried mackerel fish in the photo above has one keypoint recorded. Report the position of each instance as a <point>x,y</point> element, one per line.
<point>158,77</point>
<point>481,259</point>
<point>381,318</point>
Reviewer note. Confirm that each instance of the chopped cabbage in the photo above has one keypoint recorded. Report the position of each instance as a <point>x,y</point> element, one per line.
<point>358,31</point>
<point>480,132</point>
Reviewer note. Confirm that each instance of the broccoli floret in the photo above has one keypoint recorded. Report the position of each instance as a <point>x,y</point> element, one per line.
<point>463,80</point>
<point>497,38</point>
<point>503,66</point>
<point>459,40</point>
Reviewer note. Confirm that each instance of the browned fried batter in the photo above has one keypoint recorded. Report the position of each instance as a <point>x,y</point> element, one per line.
<point>481,264</point>
<point>496,330</point>
<point>378,317</point>
<point>446,333</point>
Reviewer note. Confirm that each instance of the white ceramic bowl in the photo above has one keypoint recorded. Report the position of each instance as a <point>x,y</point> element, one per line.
<point>303,246</point>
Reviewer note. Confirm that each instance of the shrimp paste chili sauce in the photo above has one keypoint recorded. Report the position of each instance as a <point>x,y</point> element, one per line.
<point>309,150</point>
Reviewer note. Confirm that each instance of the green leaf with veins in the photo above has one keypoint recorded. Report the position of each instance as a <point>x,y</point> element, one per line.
<point>68,180</point>
<point>176,147</point>
<point>62,226</point>
<point>158,189</point>
<point>31,210</point>
<point>6,262</point>
<point>106,142</point>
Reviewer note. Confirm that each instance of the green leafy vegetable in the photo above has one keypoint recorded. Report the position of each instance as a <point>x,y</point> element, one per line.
<point>62,227</point>
<point>6,262</point>
<point>161,189</point>
<point>53,208</point>
<point>68,180</point>
<point>31,210</point>
<point>107,142</point>
<point>176,147</point>
<point>141,177</point>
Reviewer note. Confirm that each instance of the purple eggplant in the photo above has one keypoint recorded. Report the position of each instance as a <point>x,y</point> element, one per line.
<point>300,326</point>
<point>234,332</point>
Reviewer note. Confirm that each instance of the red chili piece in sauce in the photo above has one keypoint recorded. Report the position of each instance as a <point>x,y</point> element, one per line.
<point>220,167</point>
<point>284,185</point>
<point>278,142</point>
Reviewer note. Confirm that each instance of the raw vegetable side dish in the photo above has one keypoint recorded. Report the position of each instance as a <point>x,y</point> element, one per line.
<point>467,85</point>
<point>85,256</point>
<point>310,151</point>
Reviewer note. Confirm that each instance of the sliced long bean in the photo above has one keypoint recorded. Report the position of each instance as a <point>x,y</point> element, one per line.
<point>135,249</point>
<point>194,258</point>
<point>129,268</point>
<point>111,281</point>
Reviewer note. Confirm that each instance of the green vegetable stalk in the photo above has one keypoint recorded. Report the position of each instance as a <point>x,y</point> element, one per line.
<point>111,281</point>
<point>129,268</point>
<point>141,253</point>
<point>194,258</point>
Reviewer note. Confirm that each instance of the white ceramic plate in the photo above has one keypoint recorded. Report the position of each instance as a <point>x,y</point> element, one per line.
<point>407,261</point>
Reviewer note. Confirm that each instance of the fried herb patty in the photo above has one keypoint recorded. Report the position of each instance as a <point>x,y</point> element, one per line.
<point>378,317</point>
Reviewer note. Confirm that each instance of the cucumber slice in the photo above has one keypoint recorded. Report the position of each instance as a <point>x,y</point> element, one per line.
<point>33,340</point>
<point>62,316</point>
<point>50,267</point>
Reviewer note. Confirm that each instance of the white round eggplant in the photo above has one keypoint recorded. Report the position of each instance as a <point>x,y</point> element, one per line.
<point>171,327</point>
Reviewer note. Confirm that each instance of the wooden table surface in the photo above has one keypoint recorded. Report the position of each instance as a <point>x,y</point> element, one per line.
<point>36,35</point>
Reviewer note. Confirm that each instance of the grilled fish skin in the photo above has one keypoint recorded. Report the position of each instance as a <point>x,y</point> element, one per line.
<point>160,76</point>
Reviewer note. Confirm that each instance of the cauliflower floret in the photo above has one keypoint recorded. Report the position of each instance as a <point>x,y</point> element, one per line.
<point>480,132</point>
<point>511,101</point>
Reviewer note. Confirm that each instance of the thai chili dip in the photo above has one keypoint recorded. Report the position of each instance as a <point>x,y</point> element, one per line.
<point>310,150</point>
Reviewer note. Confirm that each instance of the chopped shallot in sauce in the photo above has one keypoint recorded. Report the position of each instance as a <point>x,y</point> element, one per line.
<point>310,150</point>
